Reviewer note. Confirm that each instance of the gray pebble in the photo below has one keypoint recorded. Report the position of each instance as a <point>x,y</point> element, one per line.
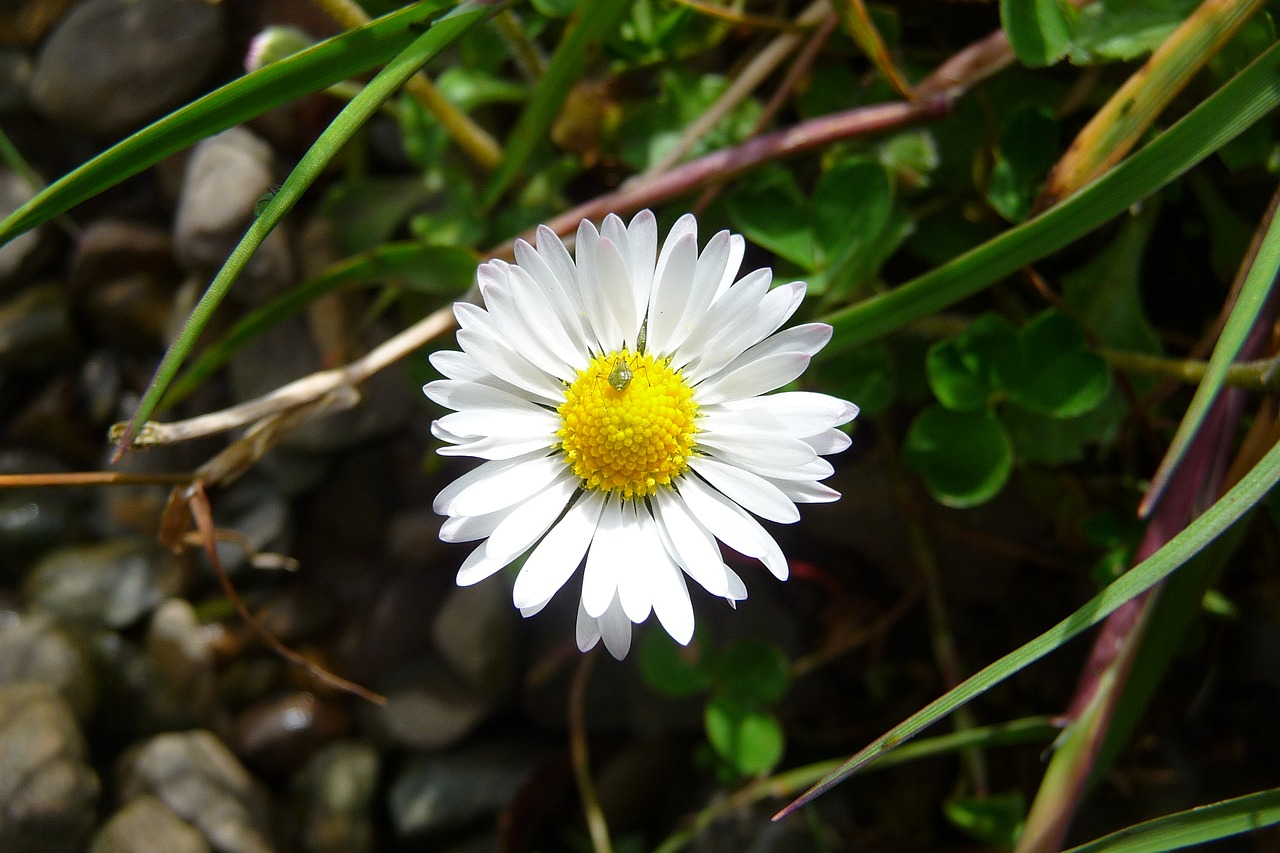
<point>112,64</point>
<point>335,794</point>
<point>147,825</point>
<point>441,792</point>
<point>47,792</point>
<point>15,191</point>
<point>32,648</point>
<point>111,584</point>
<point>199,779</point>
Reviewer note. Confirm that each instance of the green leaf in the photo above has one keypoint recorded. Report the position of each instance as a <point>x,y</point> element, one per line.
<point>996,819</point>
<point>964,457</point>
<point>1105,292</point>
<point>675,670</point>
<point>751,740</point>
<point>1057,374</point>
<point>961,370</point>
<point>1121,30</point>
<point>1028,147</point>
<point>1046,440</point>
<point>1039,30</point>
<point>1193,826</point>
<point>753,672</point>
<point>849,210</point>
<point>1234,107</point>
<point>770,212</point>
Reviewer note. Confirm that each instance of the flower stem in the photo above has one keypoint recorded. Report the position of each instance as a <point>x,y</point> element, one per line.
<point>596,825</point>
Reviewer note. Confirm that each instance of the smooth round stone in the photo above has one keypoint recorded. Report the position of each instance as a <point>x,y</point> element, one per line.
<point>112,64</point>
<point>147,825</point>
<point>47,792</point>
<point>334,796</point>
<point>33,649</point>
<point>15,192</point>
<point>112,584</point>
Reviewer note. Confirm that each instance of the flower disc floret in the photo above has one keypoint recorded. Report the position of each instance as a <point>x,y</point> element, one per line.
<point>628,434</point>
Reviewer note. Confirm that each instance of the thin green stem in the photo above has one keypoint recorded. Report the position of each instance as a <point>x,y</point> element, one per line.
<point>597,827</point>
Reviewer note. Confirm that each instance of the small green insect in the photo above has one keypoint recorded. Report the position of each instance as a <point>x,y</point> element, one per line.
<point>620,376</point>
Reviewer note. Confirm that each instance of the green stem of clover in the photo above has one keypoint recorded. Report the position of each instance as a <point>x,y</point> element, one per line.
<point>1259,375</point>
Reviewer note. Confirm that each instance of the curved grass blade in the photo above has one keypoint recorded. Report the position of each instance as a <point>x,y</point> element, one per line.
<point>308,71</point>
<point>1193,826</point>
<point>1193,539</point>
<point>1243,100</point>
<point>440,34</point>
<point>595,19</point>
<point>439,269</point>
<point>1261,275</point>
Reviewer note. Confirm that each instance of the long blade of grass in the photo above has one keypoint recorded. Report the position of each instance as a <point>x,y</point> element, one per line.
<point>1243,100</point>
<point>1244,316</point>
<point>1131,111</point>
<point>1193,539</point>
<point>440,34</point>
<point>308,71</point>
<point>1193,826</point>
<point>594,20</point>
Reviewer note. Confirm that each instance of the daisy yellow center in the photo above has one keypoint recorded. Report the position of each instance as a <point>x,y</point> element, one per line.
<point>627,424</point>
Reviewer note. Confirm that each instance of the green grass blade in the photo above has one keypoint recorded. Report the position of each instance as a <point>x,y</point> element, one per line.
<point>1193,826</point>
<point>595,19</point>
<point>1243,100</point>
<point>1193,539</point>
<point>308,71</point>
<point>1244,315</point>
<point>441,269</point>
<point>442,33</point>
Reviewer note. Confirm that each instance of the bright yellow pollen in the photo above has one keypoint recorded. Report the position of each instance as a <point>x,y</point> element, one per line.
<point>625,433</point>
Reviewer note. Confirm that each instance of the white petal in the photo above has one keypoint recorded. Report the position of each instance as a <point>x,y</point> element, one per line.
<point>671,603</point>
<point>732,525</point>
<point>745,330</point>
<point>671,293</point>
<point>505,488</point>
<point>469,528</point>
<point>791,412</point>
<point>751,491</point>
<point>482,472</point>
<point>615,627</point>
<point>635,575</point>
<point>685,225</point>
<point>462,396</point>
<point>606,559</point>
<point>503,423</point>
<point>588,630</point>
<point>614,280</point>
<point>510,367</point>
<point>709,271</point>
<point>643,237</point>
<point>487,447</point>
<point>559,331</point>
<point>513,326</point>
<point>479,566</point>
<point>807,491</point>
<point>560,293</point>
<point>551,249</point>
<point>715,336</point>
<point>765,454</point>
<point>692,544</point>
<point>557,556</point>
<point>526,524</point>
<point>752,380</point>
<point>737,250</point>
<point>599,318</point>
<point>828,442</point>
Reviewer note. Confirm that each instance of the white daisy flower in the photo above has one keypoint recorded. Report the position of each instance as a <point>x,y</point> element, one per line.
<point>616,399</point>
